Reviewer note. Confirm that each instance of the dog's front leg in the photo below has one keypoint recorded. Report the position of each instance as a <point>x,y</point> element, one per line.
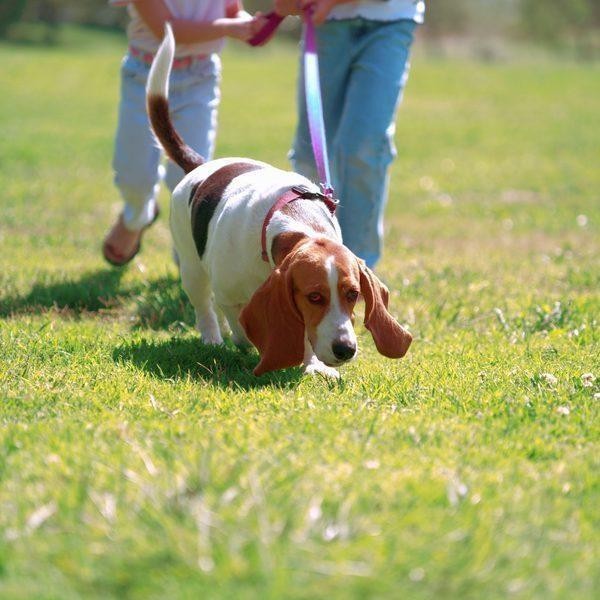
<point>196,284</point>
<point>207,323</point>
<point>313,366</point>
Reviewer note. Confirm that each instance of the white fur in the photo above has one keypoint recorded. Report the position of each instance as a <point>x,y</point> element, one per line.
<point>312,365</point>
<point>336,325</point>
<point>158,77</point>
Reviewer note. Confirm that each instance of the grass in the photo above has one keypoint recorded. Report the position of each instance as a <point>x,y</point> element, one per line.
<point>136,463</point>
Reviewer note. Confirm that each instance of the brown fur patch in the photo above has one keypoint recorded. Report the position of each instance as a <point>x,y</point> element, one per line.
<point>284,243</point>
<point>207,194</point>
<point>177,150</point>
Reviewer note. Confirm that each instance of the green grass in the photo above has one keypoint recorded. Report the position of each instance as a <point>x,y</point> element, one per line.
<point>136,463</point>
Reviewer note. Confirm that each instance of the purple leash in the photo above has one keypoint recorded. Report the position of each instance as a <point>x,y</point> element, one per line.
<point>273,21</point>
<point>312,91</point>
<point>314,104</point>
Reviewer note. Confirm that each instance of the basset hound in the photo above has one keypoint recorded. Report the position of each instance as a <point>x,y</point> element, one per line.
<point>265,246</point>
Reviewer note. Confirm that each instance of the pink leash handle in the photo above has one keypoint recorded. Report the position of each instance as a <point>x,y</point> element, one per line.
<point>268,30</point>
<point>314,104</point>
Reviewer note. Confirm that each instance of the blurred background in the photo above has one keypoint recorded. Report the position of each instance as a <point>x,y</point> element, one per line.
<point>486,29</point>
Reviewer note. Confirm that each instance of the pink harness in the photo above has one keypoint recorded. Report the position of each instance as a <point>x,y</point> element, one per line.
<point>266,33</point>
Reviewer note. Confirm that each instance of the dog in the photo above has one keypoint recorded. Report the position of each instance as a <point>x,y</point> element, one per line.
<point>265,246</point>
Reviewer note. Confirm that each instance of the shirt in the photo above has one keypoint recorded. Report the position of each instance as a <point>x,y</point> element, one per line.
<point>381,10</point>
<point>142,37</point>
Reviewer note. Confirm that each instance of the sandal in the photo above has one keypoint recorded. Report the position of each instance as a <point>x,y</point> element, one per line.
<point>108,251</point>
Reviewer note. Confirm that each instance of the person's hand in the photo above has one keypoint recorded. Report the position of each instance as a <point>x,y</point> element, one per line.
<point>243,26</point>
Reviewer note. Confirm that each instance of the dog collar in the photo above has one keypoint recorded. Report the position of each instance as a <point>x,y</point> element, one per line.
<point>293,194</point>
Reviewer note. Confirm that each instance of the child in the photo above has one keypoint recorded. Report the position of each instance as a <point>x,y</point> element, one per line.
<point>200,28</point>
<point>363,51</point>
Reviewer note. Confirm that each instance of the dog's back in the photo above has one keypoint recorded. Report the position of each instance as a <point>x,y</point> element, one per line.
<point>226,202</point>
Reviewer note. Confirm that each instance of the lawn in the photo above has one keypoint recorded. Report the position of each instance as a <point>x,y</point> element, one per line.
<point>137,463</point>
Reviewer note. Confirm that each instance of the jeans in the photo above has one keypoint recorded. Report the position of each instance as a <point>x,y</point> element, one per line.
<point>363,70</point>
<point>193,98</point>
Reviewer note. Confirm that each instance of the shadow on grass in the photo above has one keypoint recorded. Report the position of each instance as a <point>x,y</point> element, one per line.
<point>187,357</point>
<point>159,303</point>
<point>162,303</point>
<point>91,292</point>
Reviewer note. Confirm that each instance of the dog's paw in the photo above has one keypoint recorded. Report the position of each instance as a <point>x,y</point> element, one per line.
<point>319,368</point>
<point>208,327</point>
<point>212,340</point>
<point>210,336</point>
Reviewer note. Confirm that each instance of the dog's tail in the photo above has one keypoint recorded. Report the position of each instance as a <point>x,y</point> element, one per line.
<point>157,101</point>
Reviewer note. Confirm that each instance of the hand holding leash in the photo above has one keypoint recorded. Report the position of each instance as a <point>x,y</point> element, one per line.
<point>317,9</point>
<point>312,86</point>
<point>272,22</point>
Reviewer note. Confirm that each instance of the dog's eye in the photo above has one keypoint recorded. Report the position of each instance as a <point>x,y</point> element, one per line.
<point>315,298</point>
<point>352,296</point>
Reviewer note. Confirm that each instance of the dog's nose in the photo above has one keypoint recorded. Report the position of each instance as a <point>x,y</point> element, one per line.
<point>343,350</point>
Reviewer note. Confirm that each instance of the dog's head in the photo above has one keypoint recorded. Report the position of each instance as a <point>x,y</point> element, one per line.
<point>312,295</point>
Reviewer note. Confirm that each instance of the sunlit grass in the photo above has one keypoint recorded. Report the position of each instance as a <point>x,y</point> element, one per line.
<point>135,462</point>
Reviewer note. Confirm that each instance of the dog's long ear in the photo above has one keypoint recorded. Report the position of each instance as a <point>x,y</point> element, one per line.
<point>274,325</point>
<point>391,339</point>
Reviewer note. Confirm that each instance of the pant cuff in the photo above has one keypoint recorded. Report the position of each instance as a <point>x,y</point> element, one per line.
<point>136,218</point>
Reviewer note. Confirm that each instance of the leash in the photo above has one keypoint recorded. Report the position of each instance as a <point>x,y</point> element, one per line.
<point>312,90</point>
<point>316,125</point>
<point>273,21</point>
<point>314,103</point>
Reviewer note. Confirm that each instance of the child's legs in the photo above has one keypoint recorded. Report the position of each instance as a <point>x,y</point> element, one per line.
<point>364,144</point>
<point>194,100</point>
<point>136,156</point>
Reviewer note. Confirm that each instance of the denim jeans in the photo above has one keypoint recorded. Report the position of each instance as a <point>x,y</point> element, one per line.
<point>363,70</point>
<point>193,99</point>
